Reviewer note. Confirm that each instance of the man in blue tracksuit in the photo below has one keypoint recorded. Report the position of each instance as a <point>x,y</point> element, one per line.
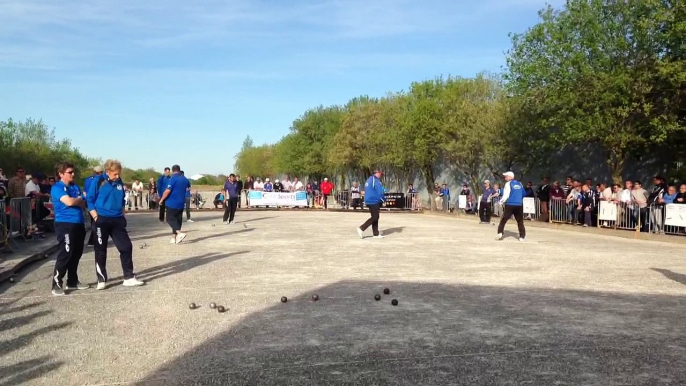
<point>69,228</point>
<point>373,198</point>
<point>174,199</point>
<point>97,172</point>
<point>512,199</point>
<point>105,200</point>
<point>162,184</point>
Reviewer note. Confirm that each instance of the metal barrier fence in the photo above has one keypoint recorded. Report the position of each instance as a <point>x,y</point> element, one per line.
<point>20,217</point>
<point>667,219</point>
<point>4,229</point>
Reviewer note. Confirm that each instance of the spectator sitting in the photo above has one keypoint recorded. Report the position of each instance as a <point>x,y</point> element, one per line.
<point>218,200</point>
<point>287,186</point>
<point>529,190</point>
<point>268,187</point>
<point>278,186</point>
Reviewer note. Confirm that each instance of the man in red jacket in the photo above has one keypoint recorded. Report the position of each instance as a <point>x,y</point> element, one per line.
<point>327,188</point>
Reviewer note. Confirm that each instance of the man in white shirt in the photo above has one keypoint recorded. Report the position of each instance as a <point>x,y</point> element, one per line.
<point>287,186</point>
<point>137,192</point>
<point>32,188</point>
<point>297,185</point>
<point>259,186</point>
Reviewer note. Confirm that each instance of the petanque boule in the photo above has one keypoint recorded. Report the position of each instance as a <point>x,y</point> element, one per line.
<point>284,299</point>
<point>220,309</point>
<point>386,291</point>
<point>213,305</point>
<point>141,247</point>
<point>192,306</point>
<point>11,280</point>
<point>394,302</point>
<point>315,297</point>
<point>377,297</point>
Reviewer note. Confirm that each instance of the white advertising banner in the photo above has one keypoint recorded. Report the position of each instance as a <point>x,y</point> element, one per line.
<point>277,199</point>
<point>462,202</point>
<point>675,215</point>
<point>607,211</point>
<point>529,205</point>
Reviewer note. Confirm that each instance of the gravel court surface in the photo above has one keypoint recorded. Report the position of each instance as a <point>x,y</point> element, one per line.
<point>561,308</point>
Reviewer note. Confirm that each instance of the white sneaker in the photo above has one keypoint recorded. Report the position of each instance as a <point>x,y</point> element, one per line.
<point>499,236</point>
<point>173,240</point>
<point>522,239</point>
<point>58,291</point>
<point>101,285</point>
<point>179,237</point>
<point>78,286</point>
<point>360,233</point>
<point>225,223</point>
<point>232,222</point>
<point>190,220</point>
<point>379,236</point>
<point>133,282</point>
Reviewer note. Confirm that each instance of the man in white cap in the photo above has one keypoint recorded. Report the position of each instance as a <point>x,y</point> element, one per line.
<point>513,198</point>
<point>327,189</point>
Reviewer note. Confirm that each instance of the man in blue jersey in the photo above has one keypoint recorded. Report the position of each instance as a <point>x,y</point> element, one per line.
<point>162,184</point>
<point>97,172</point>
<point>373,197</point>
<point>174,199</point>
<point>105,200</point>
<point>68,204</point>
<point>512,199</point>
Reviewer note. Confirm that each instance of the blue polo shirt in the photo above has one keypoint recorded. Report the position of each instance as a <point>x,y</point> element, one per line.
<point>64,213</point>
<point>188,189</point>
<point>177,197</point>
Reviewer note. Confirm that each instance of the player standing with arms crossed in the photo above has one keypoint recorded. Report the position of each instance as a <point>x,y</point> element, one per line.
<point>69,228</point>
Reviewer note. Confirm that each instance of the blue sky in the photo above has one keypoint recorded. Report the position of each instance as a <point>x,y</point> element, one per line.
<point>168,81</point>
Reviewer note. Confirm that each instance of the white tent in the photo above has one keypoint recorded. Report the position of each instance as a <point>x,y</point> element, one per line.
<point>196,177</point>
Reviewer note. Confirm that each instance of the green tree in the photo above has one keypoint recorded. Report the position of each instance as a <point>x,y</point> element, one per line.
<point>590,72</point>
<point>33,146</point>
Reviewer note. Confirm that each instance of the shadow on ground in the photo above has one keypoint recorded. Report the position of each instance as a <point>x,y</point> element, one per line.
<point>391,231</point>
<point>441,334</point>
<point>677,277</point>
<point>27,370</point>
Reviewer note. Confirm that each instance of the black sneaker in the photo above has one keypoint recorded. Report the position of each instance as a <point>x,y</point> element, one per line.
<point>78,286</point>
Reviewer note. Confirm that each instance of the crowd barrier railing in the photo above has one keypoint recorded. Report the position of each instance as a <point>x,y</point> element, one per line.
<point>4,227</point>
<point>667,219</point>
<point>20,218</point>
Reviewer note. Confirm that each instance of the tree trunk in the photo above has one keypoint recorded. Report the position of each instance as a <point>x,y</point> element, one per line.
<point>429,178</point>
<point>617,161</point>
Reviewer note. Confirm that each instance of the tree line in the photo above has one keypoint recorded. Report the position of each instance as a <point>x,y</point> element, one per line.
<point>606,73</point>
<point>32,145</point>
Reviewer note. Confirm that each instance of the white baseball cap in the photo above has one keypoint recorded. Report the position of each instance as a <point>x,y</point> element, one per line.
<point>508,174</point>
<point>277,181</point>
<point>266,179</point>
<point>326,179</point>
